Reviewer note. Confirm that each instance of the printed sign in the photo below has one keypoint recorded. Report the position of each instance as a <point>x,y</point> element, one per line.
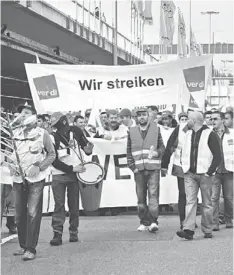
<point>46,87</point>
<point>195,78</point>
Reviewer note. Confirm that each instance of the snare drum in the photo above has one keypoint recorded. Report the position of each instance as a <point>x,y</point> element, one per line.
<point>93,175</point>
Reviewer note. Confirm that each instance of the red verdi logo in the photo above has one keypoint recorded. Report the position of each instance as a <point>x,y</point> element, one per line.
<point>195,78</point>
<point>46,87</point>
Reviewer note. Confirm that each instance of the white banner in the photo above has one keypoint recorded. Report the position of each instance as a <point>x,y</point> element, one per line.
<point>67,88</point>
<point>119,185</point>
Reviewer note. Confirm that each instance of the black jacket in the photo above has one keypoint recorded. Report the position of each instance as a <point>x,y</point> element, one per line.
<point>64,138</point>
<point>213,143</point>
<point>215,148</point>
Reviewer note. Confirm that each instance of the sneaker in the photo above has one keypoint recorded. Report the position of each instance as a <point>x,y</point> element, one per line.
<point>208,236</point>
<point>57,239</point>
<point>19,252</point>
<point>142,227</point>
<point>73,238</point>
<point>229,224</point>
<point>153,227</point>
<point>216,228</point>
<point>221,220</point>
<point>29,256</point>
<point>13,230</point>
<point>184,235</point>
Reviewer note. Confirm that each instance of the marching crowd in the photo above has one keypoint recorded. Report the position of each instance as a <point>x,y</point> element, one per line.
<point>200,147</point>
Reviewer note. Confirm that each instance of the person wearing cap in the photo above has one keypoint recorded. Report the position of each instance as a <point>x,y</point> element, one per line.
<point>36,154</point>
<point>66,139</point>
<point>167,120</point>
<point>125,118</point>
<point>144,152</point>
<point>174,146</point>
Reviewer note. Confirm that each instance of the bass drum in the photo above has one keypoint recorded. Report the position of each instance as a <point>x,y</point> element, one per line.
<point>90,184</point>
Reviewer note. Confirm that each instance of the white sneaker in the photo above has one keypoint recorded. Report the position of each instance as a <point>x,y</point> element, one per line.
<point>142,227</point>
<point>153,227</point>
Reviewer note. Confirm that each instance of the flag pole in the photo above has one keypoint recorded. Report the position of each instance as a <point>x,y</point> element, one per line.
<point>115,29</point>
<point>100,17</point>
<point>131,31</point>
<point>83,13</point>
<point>89,14</point>
<point>190,25</point>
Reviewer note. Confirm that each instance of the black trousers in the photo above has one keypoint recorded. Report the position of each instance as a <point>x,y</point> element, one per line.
<point>181,199</point>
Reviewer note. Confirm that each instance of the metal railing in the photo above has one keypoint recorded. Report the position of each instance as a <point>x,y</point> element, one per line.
<point>86,18</point>
<point>37,47</point>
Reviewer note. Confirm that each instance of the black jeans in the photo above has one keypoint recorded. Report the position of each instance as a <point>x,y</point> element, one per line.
<point>28,213</point>
<point>59,185</point>
<point>181,199</point>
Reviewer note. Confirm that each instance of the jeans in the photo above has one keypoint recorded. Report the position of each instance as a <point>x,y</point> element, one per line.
<point>192,184</point>
<point>59,185</point>
<point>225,181</point>
<point>182,198</point>
<point>29,213</point>
<point>147,180</point>
<point>7,201</point>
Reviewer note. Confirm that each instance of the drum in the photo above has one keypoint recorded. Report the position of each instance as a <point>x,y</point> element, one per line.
<point>90,184</point>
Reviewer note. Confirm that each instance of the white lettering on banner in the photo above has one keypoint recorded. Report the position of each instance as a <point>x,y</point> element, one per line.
<point>196,84</point>
<point>52,93</point>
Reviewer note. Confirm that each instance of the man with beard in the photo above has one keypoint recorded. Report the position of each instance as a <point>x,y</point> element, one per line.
<point>224,175</point>
<point>64,176</point>
<point>144,152</point>
<point>36,153</point>
<point>201,155</point>
<point>116,131</point>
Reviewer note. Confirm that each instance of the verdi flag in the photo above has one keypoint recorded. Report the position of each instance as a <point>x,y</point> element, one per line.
<point>147,14</point>
<point>167,24</point>
<point>182,47</point>
<point>195,48</point>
